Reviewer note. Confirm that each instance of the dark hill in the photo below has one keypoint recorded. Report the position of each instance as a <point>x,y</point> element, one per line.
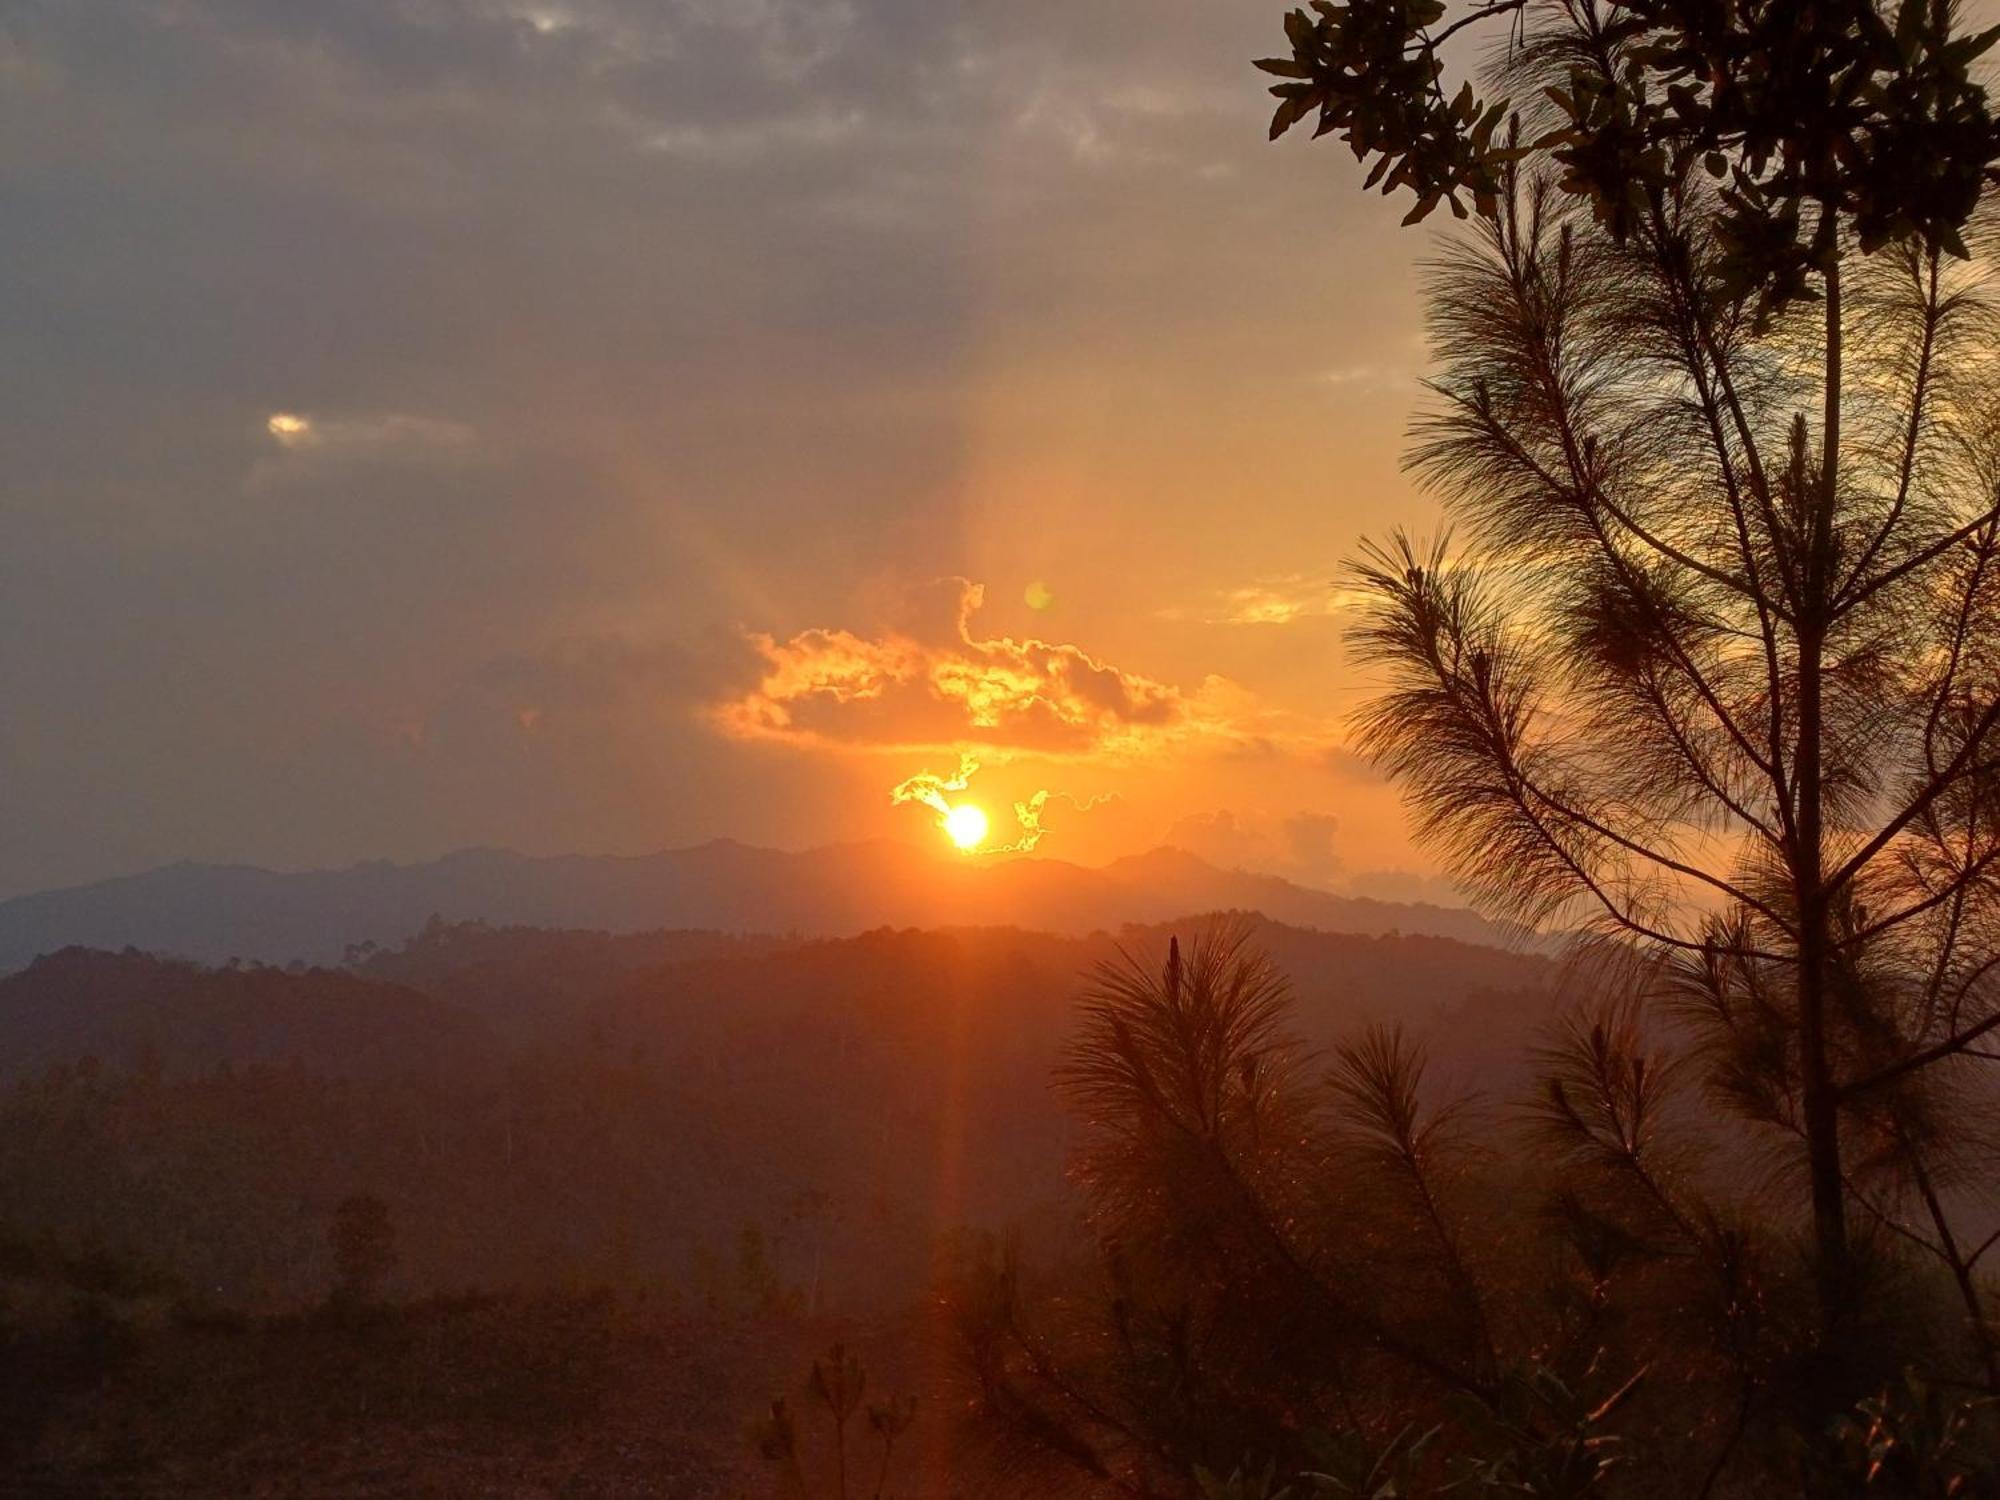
<point>567,1108</point>
<point>134,1012</point>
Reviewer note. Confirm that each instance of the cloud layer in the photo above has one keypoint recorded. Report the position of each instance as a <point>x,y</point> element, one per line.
<point>902,691</point>
<point>913,690</point>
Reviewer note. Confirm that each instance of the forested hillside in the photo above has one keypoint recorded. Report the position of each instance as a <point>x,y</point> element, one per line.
<point>501,1208</point>
<point>567,1108</point>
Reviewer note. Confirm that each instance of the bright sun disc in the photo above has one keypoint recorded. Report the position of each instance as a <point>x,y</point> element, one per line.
<point>965,826</point>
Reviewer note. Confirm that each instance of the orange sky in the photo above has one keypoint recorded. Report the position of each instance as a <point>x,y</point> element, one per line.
<point>661,384</point>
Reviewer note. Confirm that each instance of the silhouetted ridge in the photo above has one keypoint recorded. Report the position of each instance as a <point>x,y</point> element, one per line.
<point>216,912</point>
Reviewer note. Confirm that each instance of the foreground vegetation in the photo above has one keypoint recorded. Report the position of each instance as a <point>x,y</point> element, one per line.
<point>1304,1250</point>
<point>1328,1275</point>
<point>118,1385</point>
<point>553,1210</point>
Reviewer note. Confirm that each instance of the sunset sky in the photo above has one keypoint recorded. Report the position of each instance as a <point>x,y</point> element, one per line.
<point>600,425</point>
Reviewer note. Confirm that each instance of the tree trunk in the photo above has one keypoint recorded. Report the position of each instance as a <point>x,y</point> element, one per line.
<point>1822,1130</point>
<point>1821,1100</point>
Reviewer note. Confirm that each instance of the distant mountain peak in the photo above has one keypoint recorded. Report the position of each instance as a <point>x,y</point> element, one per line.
<point>215,912</point>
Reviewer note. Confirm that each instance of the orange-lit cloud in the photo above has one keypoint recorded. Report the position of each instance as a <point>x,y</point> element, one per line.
<point>289,428</point>
<point>928,789</point>
<point>901,690</point>
<point>1029,814</point>
<point>917,689</point>
<point>369,435</point>
<point>1270,601</point>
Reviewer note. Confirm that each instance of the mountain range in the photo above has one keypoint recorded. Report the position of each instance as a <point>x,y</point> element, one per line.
<point>213,912</point>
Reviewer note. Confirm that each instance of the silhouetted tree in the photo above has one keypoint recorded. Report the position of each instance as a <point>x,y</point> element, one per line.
<point>1233,1302</point>
<point>1817,120</point>
<point>1713,658</point>
<point>1328,1277</point>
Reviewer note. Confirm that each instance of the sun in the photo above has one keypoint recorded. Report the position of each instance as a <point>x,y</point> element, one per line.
<point>964,825</point>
